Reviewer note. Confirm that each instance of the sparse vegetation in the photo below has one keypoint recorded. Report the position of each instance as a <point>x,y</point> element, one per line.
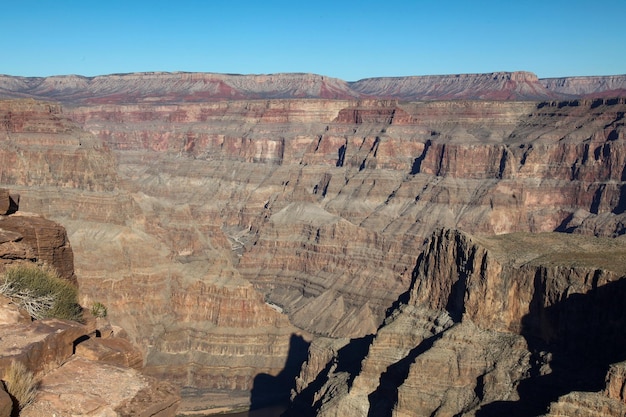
<point>98,310</point>
<point>21,384</point>
<point>41,292</point>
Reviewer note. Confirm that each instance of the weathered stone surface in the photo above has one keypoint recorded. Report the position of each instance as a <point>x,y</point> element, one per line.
<point>609,86</point>
<point>8,203</point>
<point>6,403</point>
<point>586,404</point>
<point>10,313</point>
<point>41,345</point>
<point>616,382</point>
<point>87,388</point>
<point>113,350</point>
<point>47,239</point>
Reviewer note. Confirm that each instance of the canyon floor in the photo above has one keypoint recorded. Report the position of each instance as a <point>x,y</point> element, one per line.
<point>403,247</point>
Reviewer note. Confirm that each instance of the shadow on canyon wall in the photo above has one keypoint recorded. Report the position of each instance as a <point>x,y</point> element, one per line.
<point>268,390</point>
<point>582,334</point>
<point>347,360</point>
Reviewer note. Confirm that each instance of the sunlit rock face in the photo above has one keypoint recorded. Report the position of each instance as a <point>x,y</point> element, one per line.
<point>225,234</point>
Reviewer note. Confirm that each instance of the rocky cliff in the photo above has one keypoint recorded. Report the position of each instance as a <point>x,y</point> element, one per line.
<point>499,325</point>
<point>87,368</point>
<point>225,235</point>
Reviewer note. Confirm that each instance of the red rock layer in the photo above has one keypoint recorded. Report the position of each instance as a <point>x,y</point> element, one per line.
<point>159,87</point>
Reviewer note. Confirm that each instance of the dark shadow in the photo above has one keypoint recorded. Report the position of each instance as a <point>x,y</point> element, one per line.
<point>564,227</point>
<point>417,162</point>
<point>582,334</point>
<point>78,342</point>
<point>348,359</point>
<point>269,390</point>
<point>597,199</point>
<point>621,204</point>
<point>341,155</point>
<point>385,397</point>
<point>14,203</point>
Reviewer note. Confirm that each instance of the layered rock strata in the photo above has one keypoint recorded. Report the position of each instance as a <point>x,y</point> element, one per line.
<point>381,172</point>
<point>161,87</point>
<point>233,221</point>
<point>157,269</point>
<point>498,325</point>
<point>79,369</point>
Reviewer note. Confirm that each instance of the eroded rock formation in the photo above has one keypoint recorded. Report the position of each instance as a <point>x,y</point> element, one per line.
<point>500,325</point>
<point>243,228</point>
<point>80,369</point>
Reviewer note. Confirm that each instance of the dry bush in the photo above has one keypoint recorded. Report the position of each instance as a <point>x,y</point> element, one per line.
<point>41,292</point>
<point>21,384</point>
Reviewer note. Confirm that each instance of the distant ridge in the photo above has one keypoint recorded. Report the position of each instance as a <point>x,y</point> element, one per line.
<point>172,87</point>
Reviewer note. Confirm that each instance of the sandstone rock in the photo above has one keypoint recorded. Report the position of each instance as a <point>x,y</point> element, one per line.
<point>609,86</point>
<point>158,87</point>
<point>6,403</point>
<point>113,350</point>
<point>41,345</point>
<point>11,313</point>
<point>186,218</point>
<point>47,238</point>
<point>82,387</point>
<point>8,203</point>
<point>586,404</point>
<point>616,382</point>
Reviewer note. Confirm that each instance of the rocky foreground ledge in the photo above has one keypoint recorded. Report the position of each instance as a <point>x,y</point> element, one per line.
<point>86,369</point>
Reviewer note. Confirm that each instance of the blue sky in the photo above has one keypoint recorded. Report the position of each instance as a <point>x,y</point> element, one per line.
<point>344,39</point>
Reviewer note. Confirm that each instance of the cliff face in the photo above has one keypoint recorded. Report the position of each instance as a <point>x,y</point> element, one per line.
<point>499,325</point>
<point>236,228</point>
<point>80,368</point>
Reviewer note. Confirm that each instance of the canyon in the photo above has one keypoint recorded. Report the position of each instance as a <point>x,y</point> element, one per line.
<point>342,243</point>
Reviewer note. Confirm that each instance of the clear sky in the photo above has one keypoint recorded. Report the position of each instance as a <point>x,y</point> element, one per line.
<point>350,40</point>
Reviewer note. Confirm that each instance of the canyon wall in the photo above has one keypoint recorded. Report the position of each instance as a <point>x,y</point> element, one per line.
<point>516,324</point>
<point>226,235</point>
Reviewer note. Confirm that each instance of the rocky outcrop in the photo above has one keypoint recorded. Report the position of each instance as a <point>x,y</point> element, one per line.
<point>78,372</point>
<point>45,238</point>
<point>499,325</point>
<point>104,390</point>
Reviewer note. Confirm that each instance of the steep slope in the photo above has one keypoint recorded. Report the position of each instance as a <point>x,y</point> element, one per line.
<point>499,325</point>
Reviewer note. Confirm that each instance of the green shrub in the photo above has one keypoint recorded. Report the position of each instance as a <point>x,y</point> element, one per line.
<point>21,384</point>
<point>98,310</point>
<point>41,292</point>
